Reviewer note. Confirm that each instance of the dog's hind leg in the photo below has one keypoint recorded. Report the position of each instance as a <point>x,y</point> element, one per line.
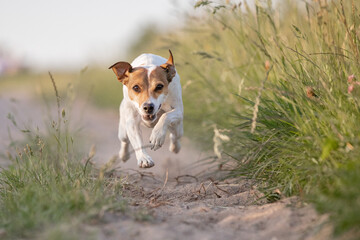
<point>124,154</point>
<point>176,132</point>
<point>124,144</point>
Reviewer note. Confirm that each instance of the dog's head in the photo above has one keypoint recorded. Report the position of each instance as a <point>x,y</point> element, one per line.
<point>148,87</point>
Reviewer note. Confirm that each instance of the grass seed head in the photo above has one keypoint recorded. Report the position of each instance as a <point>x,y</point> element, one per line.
<point>351,78</point>
<point>350,88</point>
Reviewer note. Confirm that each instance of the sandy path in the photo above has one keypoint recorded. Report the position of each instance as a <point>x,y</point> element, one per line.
<point>211,210</point>
<point>179,208</point>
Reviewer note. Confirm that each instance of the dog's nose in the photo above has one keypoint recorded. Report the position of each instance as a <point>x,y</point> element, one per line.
<point>148,108</point>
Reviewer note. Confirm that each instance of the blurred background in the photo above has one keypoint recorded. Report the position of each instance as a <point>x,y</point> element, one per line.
<point>68,35</point>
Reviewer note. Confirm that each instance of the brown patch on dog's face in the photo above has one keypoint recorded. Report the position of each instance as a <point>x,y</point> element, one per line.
<point>158,82</point>
<point>138,85</point>
<point>147,88</point>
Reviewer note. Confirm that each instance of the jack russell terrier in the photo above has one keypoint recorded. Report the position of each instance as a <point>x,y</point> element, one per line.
<point>152,95</point>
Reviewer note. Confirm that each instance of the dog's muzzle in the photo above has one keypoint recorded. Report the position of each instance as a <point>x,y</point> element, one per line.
<point>148,108</point>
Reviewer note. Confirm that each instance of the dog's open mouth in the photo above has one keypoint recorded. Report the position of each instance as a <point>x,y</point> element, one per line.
<point>149,117</point>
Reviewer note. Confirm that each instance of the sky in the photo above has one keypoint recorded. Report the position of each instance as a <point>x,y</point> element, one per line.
<point>71,34</point>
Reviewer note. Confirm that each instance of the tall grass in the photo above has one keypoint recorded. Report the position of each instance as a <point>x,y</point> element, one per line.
<point>297,130</point>
<point>50,183</point>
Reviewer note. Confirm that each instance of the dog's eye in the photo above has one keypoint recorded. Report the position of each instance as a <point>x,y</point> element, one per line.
<point>159,87</point>
<point>136,88</point>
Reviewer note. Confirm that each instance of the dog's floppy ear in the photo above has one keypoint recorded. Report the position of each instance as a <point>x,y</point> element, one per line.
<point>169,67</point>
<point>121,70</point>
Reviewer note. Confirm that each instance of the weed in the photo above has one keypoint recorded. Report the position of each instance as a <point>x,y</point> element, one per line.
<point>47,183</point>
<point>302,137</point>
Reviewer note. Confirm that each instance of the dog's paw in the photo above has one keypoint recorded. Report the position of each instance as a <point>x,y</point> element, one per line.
<point>145,162</point>
<point>157,138</point>
<point>174,146</point>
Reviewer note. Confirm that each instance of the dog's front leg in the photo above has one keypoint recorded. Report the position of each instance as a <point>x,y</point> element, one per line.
<point>158,134</point>
<point>134,134</point>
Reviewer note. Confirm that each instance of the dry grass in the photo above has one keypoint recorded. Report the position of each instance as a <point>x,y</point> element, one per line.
<point>306,139</point>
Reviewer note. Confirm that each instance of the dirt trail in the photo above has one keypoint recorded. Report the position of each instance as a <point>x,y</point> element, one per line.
<point>181,205</point>
<point>195,209</point>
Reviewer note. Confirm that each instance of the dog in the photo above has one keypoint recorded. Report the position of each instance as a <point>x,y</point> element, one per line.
<point>152,96</point>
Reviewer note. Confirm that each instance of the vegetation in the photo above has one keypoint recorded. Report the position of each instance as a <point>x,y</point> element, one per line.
<point>281,83</point>
<point>48,183</point>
